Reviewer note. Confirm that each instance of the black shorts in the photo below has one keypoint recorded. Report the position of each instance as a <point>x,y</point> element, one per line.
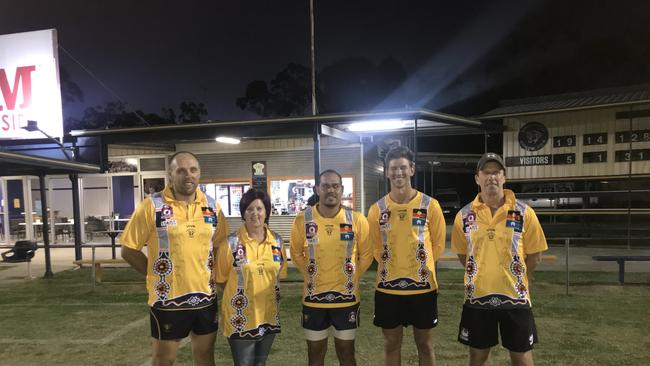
<point>478,328</point>
<point>322,318</point>
<point>420,311</point>
<point>177,324</point>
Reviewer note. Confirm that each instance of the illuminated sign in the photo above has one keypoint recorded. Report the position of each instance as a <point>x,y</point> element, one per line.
<point>29,84</point>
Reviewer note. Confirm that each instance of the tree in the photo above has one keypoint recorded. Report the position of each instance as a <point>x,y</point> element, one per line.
<point>191,112</point>
<point>115,115</point>
<point>358,84</point>
<point>289,94</point>
<point>70,91</point>
<point>350,84</point>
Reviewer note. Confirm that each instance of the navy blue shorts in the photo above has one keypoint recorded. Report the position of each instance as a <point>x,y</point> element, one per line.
<point>322,318</point>
<point>420,311</point>
<point>479,328</point>
<point>177,324</point>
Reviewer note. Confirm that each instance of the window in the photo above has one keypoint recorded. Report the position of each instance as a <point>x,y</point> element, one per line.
<point>227,195</point>
<point>289,195</point>
<point>152,164</point>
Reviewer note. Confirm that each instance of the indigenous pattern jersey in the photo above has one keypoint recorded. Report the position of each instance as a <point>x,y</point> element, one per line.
<point>251,297</point>
<point>495,248</point>
<point>332,253</point>
<point>407,238</point>
<point>179,238</point>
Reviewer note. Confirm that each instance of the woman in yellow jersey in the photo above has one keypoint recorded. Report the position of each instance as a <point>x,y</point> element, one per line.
<point>248,268</point>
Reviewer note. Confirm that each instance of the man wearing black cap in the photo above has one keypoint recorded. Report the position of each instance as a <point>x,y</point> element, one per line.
<point>499,241</point>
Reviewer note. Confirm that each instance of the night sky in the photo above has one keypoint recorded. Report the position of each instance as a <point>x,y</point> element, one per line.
<point>460,56</point>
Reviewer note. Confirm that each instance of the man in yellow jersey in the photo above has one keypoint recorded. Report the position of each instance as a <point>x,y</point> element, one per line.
<point>329,245</point>
<point>179,227</point>
<point>499,241</point>
<point>407,230</point>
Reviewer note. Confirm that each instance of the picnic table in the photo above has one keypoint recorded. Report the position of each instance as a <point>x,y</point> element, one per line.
<point>621,259</point>
<point>113,234</point>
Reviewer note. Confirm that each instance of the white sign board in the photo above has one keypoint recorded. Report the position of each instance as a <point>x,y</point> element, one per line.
<point>29,85</point>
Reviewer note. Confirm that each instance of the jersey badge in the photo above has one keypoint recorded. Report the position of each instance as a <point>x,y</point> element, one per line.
<point>419,217</point>
<point>515,221</point>
<point>346,232</point>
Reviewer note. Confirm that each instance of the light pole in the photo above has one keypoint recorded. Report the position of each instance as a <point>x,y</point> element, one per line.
<point>33,126</point>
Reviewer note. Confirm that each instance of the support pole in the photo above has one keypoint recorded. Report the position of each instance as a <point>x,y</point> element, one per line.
<point>46,227</point>
<point>566,245</point>
<point>415,152</point>
<point>312,58</point>
<point>76,214</point>
<point>316,137</point>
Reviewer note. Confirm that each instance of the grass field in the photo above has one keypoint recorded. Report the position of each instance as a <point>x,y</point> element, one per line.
<point>65,321</point>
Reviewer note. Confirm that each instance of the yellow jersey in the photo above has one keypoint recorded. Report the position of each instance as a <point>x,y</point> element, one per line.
<point>496,248</point>
<point>251,296</point>
<point>332,254</point>
<point>179,238</point>
<point>407,239</point>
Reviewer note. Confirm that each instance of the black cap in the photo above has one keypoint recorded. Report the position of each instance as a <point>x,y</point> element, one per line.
<point>488,157</point>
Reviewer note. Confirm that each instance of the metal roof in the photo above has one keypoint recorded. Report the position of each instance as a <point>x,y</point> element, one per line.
<point>21,164</point>
<point>279,127</point>
<point>599,98</point>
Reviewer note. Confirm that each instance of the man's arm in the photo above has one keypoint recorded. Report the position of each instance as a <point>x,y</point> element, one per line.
<point>364,247</point>
<point>532,260</point>
<point>437,230</point>
<point>223,265</point>
<point>458,241</point>
<point>136,259</point>
<point>462,258</point>
<point>374,233</point>
<point>297,244</point>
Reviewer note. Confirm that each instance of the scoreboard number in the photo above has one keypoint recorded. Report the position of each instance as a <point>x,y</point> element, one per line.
<point>594,157</point>
<point>594,139</point>
<point>563,141</point>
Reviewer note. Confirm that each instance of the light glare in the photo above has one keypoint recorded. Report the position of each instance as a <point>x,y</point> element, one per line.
<point>379,125</point>
<point>227,140</point>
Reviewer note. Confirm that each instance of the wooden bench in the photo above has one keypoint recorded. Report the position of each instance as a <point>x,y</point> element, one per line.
<point>97,266</point>
<point>621,259</point>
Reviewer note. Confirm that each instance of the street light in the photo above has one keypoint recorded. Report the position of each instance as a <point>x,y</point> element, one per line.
<point>33,126</point>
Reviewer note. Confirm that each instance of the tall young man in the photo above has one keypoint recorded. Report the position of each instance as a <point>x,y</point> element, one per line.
<point>407,230</point>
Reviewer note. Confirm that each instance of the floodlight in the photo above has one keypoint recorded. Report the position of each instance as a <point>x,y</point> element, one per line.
<point>378,125</point>
<point>228,140</point>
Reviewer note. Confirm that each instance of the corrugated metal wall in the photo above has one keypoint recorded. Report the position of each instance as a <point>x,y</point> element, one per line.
<point>133,150</point>
<point>280,224</point>
<point>576,123</point>
<point>374,179</point>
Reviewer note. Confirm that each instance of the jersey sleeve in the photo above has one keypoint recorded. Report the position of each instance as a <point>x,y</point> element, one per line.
<point>437,229</point>
<point>138,230</point>
<point>364,248</point>
<point>221,233</point>
<point>458,240</point>
<point>374,232</point>
<point>297,243</point>
<point>533,235</point>
<point>223,263</point>
<point>284,266</point>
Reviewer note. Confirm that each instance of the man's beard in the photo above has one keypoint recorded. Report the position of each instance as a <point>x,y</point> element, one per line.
<point>329,205</point>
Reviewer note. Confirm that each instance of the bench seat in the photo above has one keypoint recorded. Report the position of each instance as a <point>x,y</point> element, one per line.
<point>621,259</point>
<point>97,263</point>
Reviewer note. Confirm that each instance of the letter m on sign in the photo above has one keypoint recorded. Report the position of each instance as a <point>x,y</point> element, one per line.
<point>24,74</point>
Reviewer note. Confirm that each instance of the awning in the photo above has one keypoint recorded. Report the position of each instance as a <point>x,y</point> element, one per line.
<point>21,164</point>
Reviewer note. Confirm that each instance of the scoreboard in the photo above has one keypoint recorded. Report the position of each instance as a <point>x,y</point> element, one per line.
<point>587,143</point>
